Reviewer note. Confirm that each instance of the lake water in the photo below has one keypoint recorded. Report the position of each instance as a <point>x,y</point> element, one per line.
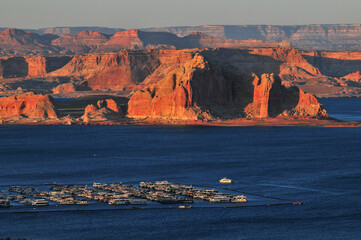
<point>316,165</point>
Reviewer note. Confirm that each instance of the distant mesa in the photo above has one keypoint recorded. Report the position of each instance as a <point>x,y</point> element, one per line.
<point>19,42</point>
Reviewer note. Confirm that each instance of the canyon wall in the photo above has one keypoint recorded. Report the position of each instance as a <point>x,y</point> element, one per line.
<point>203,89</point>
<point>317,72</point>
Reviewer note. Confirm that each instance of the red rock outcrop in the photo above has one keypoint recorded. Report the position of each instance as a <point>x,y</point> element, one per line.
<point>356,77</point>
<point>104,110</point>
<point>294,65</point>
<point>36,65</point>
<point>199,89</point>
<point>272,99</point>
<point>114,70</point>
<point>19,42</point>
<point>28,105</point>
<point>64,88</point>
<point>82,42</point>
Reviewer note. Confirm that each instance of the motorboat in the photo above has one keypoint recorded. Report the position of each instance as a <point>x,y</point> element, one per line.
<point>4,203</point>
<point>219,199</point>
<point>119,201</point>
<point>239,199</point>
<point>39,203</point>
<point>136,201</point>
<point>184,207</point>
<point>225,181</point>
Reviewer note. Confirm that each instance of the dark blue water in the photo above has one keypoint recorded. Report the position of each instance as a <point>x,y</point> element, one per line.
<point>348,109</point>
<point>319,166</point>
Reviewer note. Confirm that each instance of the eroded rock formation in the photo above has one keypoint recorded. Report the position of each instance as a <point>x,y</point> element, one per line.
<point>64,88</point>
<point>206,89</point>
<point>104,110</point>
<point>28,105</point>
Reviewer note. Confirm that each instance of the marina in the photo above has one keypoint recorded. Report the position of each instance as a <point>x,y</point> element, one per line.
<point>101,196</point>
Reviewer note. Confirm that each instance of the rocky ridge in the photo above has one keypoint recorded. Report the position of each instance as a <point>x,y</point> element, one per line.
<point>18,42</point>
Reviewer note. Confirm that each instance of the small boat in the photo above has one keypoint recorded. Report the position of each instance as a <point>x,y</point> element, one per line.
<point>219,199</point>
<point>4,203</point>
<point>40,202</point>
<point>239,199</point>
<point>119,201</point>
<point>225,181</point>
<point>67,202</point>
<point>135,201</point>
<point>184,207</point>
<point>81,202</point>
<point>297,203</point>
<point>26,202</point>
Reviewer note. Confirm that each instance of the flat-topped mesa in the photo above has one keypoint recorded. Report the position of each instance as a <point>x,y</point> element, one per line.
<point>82,42</point>
<point>28,105</point>
<point>202,90</point>
<point>294,65</point>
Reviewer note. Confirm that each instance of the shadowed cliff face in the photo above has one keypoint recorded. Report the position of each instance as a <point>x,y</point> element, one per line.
<point>203,89</point>
<point>14,67</point>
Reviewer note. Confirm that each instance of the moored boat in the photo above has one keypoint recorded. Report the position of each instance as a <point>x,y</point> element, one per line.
<point>184,207</point>
<point>119,201</point>
<point>135,201</point>
<point>219,199</point>
<point>239,199</point>
<point>225,181</point>
<point>4,203</point>
<point>39,203</point>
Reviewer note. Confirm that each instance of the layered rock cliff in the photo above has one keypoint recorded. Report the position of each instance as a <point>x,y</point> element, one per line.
<point>307,37</point>
<point>205,89</point>
<point>317,72</point>
<point>28,105</point>
<point>18,42</point>
<point>81,42</point>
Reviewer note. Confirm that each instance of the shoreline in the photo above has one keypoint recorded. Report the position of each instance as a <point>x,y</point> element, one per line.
<point>240,122</point>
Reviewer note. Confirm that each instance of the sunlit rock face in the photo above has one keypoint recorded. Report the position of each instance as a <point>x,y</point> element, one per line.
<point>201,89</point>
<point>28,105</point>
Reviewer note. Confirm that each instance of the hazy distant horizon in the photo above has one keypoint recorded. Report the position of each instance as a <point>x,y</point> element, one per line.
<point>34,14</point>
<point>178,26</point>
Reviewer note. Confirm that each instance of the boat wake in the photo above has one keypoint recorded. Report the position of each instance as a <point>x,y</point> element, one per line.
<point>299,188</point>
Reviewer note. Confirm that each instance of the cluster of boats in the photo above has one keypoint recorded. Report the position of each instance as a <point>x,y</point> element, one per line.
<point>190,192</point>
<point>5,198</point>
<point>102,193</point>
<point>162,192</point>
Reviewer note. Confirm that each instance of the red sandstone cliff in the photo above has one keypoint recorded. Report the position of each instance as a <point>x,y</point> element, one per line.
<point>199,89</point>
<point>36,65</point>
<point>28,105</point>
<point>82,42</point>
<point>104,110</point>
